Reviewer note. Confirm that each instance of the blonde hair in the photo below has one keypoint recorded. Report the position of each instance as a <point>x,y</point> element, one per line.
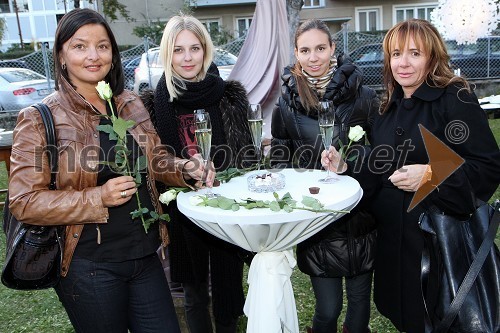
<point>172,29</point>
<point>427,39</point>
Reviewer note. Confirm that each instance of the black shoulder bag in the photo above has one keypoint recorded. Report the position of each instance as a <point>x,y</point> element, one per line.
<point>34,253</point>
<point>461,259</point>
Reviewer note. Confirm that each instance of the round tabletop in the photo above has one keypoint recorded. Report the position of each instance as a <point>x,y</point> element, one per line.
<point>340,195</point>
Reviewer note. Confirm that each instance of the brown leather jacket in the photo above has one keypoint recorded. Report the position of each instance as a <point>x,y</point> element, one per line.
<point>78,200</point>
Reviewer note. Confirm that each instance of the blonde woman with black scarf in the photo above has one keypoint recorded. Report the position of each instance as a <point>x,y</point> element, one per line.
<point>191,81</point>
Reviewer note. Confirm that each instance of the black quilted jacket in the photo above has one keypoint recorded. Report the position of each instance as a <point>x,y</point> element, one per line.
<point>346,247</point>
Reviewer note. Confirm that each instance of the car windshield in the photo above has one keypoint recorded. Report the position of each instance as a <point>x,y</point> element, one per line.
<point>21,75</point>
<point>223,58</point>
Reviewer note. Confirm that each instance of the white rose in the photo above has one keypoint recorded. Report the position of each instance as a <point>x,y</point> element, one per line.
<point>168,196</point>
<point>356,133</point>
<point>104,90</point>
<point>195,200</point>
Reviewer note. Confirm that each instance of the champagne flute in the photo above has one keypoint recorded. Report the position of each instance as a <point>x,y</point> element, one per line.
<point>254,116</point>
<point>326,120</point>
<point>203,133</point>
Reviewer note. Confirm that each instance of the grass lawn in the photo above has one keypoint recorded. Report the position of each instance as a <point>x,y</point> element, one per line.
<point>41,312</point>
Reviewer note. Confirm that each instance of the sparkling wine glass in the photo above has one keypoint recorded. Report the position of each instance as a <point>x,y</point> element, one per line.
<point>254,116</point>
<point>203,133</point>
<point>326,120</point>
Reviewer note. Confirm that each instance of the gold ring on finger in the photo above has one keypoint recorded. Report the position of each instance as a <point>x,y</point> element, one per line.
<point>123,194</point>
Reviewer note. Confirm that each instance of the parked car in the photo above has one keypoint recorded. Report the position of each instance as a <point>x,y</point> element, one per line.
<point>370,58</point>
<point>474,61</point>
<point>14,63</point>
<point>478,60</point>
<point>21,87</point>
<point>148,76</point>
<point>129,65</point>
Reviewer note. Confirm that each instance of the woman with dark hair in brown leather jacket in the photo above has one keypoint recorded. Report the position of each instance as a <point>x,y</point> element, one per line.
<point>112,279</point>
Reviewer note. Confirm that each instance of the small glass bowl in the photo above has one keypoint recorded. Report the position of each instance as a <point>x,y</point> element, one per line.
<point>266,182</point>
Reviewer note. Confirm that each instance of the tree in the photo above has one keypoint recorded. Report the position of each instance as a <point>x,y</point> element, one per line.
<point>110,8</point>
<point>293,8</point>
<point>2,29</point>
<point>153,30</point>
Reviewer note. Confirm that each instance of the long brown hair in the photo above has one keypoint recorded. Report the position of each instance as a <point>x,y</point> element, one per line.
<point>308,97</point>
<point>67,27</point>
<point>428,39</point>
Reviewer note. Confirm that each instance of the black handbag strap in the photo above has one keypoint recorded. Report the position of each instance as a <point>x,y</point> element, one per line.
<point>469,279</point>
<point>50,135</point>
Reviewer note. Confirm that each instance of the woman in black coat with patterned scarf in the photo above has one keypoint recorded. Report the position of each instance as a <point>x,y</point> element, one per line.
<point>191,81</point>
<point>345,249</point>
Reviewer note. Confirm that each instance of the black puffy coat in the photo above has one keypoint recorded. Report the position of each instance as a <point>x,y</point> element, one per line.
<point>345,247</point>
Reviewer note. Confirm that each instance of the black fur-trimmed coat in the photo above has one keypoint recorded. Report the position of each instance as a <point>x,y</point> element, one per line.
<point>192,249</point>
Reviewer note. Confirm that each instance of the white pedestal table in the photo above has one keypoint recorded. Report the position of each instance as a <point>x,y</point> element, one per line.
<point>270,304</point>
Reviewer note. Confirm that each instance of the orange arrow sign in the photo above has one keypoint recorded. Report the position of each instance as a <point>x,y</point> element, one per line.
<point>443,161</point>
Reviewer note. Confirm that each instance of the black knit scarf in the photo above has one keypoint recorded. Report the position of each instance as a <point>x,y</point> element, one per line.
<point>205,94</point>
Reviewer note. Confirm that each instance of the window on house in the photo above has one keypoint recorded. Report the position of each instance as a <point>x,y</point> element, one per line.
<point>414,11</point>
<point>368,19</point>
<point>4,6</point>
<point>213,26</point>
<point>7,6</point>
<point>313,3</point>
<point>22,5</point>
<point>242,25</point>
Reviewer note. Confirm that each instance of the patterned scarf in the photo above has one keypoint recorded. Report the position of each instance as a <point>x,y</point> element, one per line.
<point>319,84</point>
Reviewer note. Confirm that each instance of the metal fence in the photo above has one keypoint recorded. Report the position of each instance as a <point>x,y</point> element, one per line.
<point>478,61</point>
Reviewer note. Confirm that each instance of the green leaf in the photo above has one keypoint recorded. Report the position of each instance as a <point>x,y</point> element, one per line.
<point>136,213</point>
<point>141,163</point>
<point>308,201</point>
<point>228,174</point>
<point>108,129</point>
<point>164,217</point>
<point>250,205</point>
<point>121,125</point>
<point>235,207</point>
<point>214,202</point>
<point>287,208</point>
<point>225,203</point>
<point>261,204</point>
<point>147,223</point>
<point>274,206</point>
<point>138,178</point>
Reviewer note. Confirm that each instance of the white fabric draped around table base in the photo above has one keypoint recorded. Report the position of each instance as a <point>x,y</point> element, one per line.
<point>270,293</point>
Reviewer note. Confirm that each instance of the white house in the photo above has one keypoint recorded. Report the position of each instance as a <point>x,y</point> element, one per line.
<point>37,20</point>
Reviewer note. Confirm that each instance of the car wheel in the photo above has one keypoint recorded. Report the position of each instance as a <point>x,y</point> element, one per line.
<point>129,83</point>
<point>142,87</point>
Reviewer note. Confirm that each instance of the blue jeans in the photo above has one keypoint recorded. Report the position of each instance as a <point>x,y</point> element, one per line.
<point>118,297</point>
<point>329,298</point>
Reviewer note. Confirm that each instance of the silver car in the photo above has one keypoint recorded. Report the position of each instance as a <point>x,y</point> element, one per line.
<point>21,87</point>
<point>148,76</point>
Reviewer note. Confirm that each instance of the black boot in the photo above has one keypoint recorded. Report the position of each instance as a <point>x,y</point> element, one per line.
<point>346,330</point>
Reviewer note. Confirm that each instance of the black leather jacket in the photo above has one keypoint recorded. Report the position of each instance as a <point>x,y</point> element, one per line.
<point>346,247</point>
